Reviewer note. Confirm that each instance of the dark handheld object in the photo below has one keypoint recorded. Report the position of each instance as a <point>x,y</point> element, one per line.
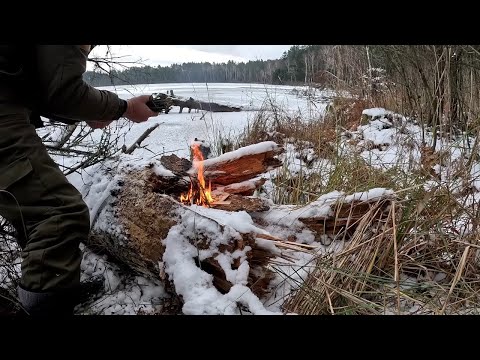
<point>160,103</point>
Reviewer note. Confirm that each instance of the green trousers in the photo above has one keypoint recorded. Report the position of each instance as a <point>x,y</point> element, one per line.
<point>47,211</point>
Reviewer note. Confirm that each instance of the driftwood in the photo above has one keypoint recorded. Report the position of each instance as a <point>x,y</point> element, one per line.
<point>191,103</point>
<point>163,102</point>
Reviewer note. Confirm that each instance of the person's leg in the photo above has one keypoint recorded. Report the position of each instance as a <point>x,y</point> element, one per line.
<point>50,212</point>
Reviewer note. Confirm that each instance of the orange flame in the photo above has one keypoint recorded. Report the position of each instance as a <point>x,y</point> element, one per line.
<point>202,195</point>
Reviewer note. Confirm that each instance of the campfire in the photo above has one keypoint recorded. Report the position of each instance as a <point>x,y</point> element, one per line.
<point>198,194</point>
<point>232,178</point>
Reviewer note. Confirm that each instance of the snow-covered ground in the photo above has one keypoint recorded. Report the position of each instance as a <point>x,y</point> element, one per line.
<point>126,294</point>
<point>178,130</point>
<point>388,140</point>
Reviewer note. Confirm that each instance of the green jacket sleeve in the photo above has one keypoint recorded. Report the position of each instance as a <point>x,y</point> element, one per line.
<point>64,93</point>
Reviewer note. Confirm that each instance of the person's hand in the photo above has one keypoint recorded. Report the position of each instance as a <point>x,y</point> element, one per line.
<point>98,124</point>
<point>137,109</point>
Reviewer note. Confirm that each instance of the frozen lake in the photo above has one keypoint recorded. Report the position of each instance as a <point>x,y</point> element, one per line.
<point>177,130</point>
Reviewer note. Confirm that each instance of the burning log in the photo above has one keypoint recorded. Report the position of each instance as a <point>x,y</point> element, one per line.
<point>243,164</point>
<point>167,203</point>
<point>235,173</point>
<point>146,227</point>
<point>138,220</point>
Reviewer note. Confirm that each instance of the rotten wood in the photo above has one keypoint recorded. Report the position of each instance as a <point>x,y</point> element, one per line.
<point>345,220</point>
<point>147,206</point>
<point>140,218</point>
<point>177,165</point>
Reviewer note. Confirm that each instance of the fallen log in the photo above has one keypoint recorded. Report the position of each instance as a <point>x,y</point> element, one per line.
<point>163,102</point>
<point>191,103</point>
<point>328,219</point>
<point>137,220</point>
<point>346,218</point>
<point>143,225</point>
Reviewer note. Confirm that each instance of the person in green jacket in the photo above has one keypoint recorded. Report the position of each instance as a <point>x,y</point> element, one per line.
<point>48,213</point>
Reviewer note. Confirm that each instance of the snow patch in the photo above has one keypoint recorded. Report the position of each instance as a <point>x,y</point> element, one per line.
<point>195,285</point>
<point>376,112</point>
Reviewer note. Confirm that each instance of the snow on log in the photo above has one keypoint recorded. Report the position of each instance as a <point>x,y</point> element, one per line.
<point>242,164</point>
<point>136,221</point>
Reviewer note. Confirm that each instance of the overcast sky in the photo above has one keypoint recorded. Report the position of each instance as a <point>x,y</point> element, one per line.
<point>169,54</point>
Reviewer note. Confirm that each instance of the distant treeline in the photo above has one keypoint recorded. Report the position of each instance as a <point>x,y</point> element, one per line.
<point>297,65</point>
<point>439,84</point>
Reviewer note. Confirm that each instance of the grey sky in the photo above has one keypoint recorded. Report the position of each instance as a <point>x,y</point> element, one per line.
<point>250,52</point>
<point>168,54</point>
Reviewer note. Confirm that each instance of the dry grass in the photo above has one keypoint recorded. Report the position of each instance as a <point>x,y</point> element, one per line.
<point>341,282</point>
<point>343,173</point>
<point>379,271</point>
<point>415,259</point>
<point>272,123</point>
<point>275,124</point>
<point>346,112</point>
